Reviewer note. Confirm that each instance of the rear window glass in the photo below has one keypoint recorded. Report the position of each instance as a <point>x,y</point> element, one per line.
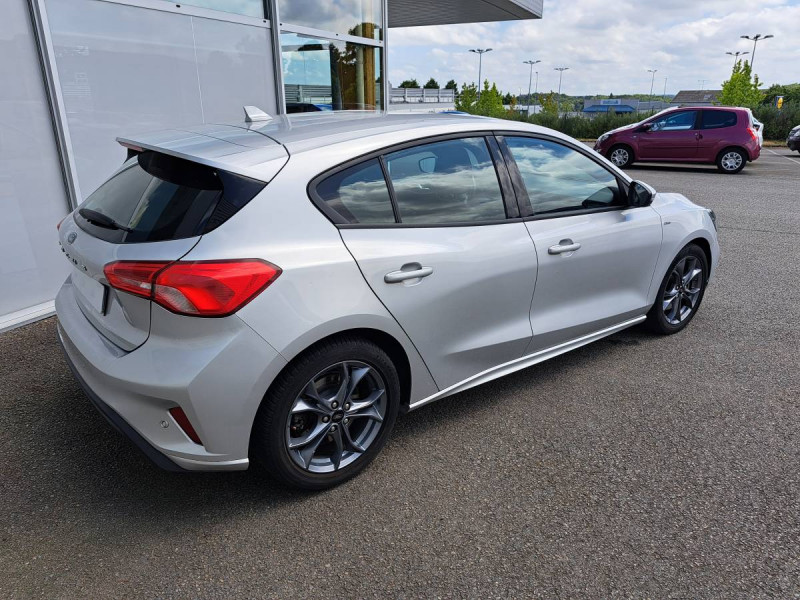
<point>359,194</point>
<point>715,119</point>
<point>157,197</point>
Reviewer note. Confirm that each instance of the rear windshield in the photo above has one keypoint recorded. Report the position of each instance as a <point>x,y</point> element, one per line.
<point>157,197</point>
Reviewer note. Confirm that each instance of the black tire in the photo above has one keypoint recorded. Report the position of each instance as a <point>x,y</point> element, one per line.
<point>726,163</point>
<point>269,445</point>
<point>657,318</point>
<point>623,150</point>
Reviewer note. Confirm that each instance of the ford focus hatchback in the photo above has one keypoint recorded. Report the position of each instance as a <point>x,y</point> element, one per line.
<point>278,291</point>
<point>723,136</point>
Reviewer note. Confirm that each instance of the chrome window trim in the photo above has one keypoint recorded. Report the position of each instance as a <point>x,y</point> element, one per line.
<point>328,35</point>
<point>196,11</point>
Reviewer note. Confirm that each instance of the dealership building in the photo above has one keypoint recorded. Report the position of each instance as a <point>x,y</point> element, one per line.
<point>78,73</point>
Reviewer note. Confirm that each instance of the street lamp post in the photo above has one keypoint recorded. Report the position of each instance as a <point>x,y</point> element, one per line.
<point>665,90</point>
<point>560,75</point>
<point>480,52</point>
<point>536,91</point>
<point>736,56</point>
<point>754,39</point>
<point>652,81</point>
<point>530,77</point>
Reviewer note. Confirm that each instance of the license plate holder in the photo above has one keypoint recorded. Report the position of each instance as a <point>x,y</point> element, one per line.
<point>93,292</point>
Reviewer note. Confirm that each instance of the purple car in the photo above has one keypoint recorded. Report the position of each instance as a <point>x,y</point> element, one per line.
<point>716,135</point>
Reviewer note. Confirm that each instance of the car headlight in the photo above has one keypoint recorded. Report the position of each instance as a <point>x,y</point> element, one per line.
<point>603,138</point>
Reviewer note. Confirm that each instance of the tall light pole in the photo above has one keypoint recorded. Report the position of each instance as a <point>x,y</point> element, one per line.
<point>536,91</point>
<point>530,77</point>
<point>754,39</point>
<point>560,75</point>
<point>480,52</point>
<point>652,81</point>
<point>736,56</point>
<point>665,90</point>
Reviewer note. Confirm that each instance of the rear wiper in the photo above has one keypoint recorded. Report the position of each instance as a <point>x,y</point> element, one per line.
<point>101,220</point>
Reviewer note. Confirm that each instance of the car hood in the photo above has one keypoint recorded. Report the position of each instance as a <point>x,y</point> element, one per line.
<point>623,128</point>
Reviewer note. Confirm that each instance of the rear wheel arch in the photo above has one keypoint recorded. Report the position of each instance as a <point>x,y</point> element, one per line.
<point>743,151</point>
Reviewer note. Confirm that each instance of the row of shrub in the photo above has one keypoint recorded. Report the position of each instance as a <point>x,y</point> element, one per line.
<point>777,122</point>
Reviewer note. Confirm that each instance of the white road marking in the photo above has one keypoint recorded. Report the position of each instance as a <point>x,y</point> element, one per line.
<point>794,160</point>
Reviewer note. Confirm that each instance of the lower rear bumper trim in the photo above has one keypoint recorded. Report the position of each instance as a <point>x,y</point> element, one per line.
<point>120,424</point>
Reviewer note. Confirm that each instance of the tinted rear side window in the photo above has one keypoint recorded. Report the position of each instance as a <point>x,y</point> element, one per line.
<point>452,181</point>
<point>156,197</point>
<point>715,119</point>
<point>358,194</point>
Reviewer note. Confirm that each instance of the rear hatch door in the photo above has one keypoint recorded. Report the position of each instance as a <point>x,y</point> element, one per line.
<point>175,186</point>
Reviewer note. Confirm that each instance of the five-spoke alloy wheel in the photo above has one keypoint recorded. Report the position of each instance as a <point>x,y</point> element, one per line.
<point>681,291</point>
<point>328,414</point>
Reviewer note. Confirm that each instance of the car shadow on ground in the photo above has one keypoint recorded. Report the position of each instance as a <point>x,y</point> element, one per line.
<point>104,479</point>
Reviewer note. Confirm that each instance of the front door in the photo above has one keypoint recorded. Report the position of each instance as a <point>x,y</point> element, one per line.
<point>674,136</point>
<point>596,255</point>
<point>453,272</point>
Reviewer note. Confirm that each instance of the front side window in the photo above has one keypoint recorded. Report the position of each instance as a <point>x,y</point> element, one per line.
<point>452,181</point>
<point>320,75</point>
<point>717,119</point>
<point>676,121</point>
<point>359,194</point>
<point>558,178</point>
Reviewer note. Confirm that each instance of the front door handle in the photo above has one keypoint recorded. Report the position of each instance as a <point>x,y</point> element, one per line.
<point>406,272</point>
<point>564,246</point>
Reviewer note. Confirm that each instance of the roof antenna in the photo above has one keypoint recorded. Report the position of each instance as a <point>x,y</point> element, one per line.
<point>253,114</point>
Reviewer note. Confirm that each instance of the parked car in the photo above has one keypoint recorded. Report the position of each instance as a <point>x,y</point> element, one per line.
<point>279,291</point>
<point>758,126</point>
<point>793,141</point>
<point>718,135</point>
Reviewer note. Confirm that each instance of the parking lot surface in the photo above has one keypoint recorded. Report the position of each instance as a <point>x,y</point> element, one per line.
<point>637,466</point>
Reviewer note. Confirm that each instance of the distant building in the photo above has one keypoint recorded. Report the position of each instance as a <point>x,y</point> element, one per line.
<point>621,106</point>
<point>695,98</point>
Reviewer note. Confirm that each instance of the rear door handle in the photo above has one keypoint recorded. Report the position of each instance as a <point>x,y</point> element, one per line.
<point>564,246</point>
<point>415,271</point>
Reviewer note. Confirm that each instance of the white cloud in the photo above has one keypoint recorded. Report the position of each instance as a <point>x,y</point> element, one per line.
<point>608,45</point>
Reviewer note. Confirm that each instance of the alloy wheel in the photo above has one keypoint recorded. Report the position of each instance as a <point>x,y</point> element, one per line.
<point>336,417</point>
<point>731,161</point>
<point>682,291</point>
<point>619,157</point>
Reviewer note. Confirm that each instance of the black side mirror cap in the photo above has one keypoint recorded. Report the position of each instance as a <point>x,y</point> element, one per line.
<point>640,194</point>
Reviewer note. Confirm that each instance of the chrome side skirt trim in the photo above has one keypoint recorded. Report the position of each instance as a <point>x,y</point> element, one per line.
<point>524,362</point>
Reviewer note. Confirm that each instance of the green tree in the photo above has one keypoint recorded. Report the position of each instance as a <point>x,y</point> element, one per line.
<point>468,99</point>
<point>742,88</point>
<point>432,84</point>
<point>549,104</point>
<point>790,93</point>
<point>451,85</point>
<point>409,83</point>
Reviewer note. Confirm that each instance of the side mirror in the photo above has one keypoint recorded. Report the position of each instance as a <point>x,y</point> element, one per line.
<point>646,127</point>
<point>640,194</point>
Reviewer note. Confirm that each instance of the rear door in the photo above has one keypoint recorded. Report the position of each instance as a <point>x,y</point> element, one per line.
<point>596,255</point>
<point>437,249</point>
<point>674,136</point>
<point>717,129</point>
<point>153,209</point>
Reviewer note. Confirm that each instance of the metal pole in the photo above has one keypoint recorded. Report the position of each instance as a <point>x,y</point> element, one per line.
<point>536,91</point>
<point>755,39</point>
<point>665,89</point>
<point>652,81</point>
<point>560,74</point>
<point>480,65</point>
<point>531,63</point>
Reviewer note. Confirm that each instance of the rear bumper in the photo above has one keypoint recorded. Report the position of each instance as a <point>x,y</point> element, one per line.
<point>216,370</point>
<point>793,144</point>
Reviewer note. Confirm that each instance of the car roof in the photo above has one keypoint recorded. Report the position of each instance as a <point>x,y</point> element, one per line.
<point>260,149</point>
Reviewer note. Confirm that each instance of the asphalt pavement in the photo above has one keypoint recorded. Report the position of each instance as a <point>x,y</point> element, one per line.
<point>638,466</point>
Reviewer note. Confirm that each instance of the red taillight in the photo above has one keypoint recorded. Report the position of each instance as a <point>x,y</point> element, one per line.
<point>58,226</point>
<point>214,288</point>
<point>752,133</point>
<point>182,420</point>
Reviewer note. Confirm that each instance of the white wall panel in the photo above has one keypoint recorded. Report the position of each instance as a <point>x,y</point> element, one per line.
<point>32,194</point>
<point>235,68</point>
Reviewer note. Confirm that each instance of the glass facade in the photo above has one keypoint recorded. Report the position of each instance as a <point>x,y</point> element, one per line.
<point>320,74</point>
<point>361,18</point>
<point>248,8</point>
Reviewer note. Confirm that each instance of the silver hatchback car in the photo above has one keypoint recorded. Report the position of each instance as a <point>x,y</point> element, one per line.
<point>280,289</point>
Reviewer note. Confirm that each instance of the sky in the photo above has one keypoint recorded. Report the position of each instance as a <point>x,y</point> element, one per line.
<point>608,46</point>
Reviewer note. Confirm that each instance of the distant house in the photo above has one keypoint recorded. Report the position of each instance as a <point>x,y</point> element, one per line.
<point>621,106</point>
<point>695,98</point>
